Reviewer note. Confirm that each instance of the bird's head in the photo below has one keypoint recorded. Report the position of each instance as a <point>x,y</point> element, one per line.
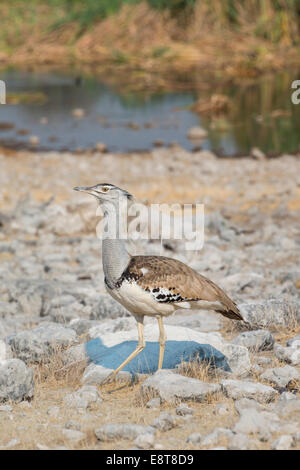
<point>106,193</point>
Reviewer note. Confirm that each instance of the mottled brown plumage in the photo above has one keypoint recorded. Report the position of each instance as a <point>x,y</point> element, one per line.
<point>153,272</point>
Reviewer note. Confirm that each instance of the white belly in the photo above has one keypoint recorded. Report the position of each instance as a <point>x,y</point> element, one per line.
<point>138,301</point>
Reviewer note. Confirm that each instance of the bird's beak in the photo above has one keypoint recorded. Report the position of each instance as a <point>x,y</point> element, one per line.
<point>89,190</point>
<point>85,189</point>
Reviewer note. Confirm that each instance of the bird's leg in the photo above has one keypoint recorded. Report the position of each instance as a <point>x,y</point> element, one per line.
<point>139,348</point>
<point>162,342</point>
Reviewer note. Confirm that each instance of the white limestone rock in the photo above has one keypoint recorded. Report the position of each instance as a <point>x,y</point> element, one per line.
<point>171,387</point>
<point>237,389</point>
<point>16,381</point>
<point>281,376</point>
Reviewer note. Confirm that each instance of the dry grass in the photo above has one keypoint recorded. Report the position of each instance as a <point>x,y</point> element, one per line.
<point>53,373</point>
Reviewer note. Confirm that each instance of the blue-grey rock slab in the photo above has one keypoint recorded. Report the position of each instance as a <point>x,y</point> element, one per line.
<point>109,350</point>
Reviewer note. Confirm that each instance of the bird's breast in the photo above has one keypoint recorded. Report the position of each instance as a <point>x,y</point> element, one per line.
<point>139,301</point>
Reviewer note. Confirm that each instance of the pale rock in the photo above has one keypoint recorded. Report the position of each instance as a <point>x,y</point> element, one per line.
<point>290,355</point>
<point>16,380</point>
<point>184,410</point>
<point>259,340</point>
<point>73,435</point>
<point>145,441</point>
<point>294,342</point>
<point>214,437</point>
<point>197,133</point>
<point>239,441</point>
<point>222,409</point>
<point>194,438</point>
<point>110,432</point>
<point>153,403</point>
<point>164,422</point>
<point>281,376</point>
<point>53,411</point>
<point>271,313</point>
<point>40,343</point>
<point>284,442</point>
<point>170,387</point>
<point>83,398</point>
<point>237,389</point>
<point>263,423</point>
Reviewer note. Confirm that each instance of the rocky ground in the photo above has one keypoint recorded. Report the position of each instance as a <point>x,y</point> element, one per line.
<point>60,332</point>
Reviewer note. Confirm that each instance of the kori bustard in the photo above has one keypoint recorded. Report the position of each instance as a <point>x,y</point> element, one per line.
<point>151,285</point>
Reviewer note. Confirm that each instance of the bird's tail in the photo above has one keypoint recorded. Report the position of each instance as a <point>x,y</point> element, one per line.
<point>230,310</point>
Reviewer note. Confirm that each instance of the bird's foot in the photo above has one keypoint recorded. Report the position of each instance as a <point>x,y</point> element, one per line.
<point>109,378</point>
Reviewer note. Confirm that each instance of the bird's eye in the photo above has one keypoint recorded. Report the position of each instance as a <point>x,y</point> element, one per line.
<point>105,189</point>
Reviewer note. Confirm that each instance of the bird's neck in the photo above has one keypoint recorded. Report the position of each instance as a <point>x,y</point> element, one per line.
<point>115,258</point>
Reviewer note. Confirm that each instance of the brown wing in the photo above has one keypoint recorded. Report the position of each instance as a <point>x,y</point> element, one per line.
<point>159,272</point>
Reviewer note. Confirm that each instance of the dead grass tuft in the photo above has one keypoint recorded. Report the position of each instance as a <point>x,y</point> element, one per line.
<point>141,398</point>
<point>53,373</point>
<point>203,370</point>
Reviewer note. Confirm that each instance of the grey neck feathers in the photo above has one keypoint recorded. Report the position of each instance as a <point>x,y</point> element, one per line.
<point>115,258</point>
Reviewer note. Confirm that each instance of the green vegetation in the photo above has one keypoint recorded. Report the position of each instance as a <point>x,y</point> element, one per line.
<point>168,40</point>
<point>275,20</point>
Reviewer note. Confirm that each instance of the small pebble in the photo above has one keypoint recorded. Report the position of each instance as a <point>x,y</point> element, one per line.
<point>222,409</point>
<point>194,438</point>
<point>78,113</point>
<point>284,442</point>
<point>183,410</point>
<point>5,408</point>
<point>145,441</point>
<point>153,403</point>
<point>34,140</point>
